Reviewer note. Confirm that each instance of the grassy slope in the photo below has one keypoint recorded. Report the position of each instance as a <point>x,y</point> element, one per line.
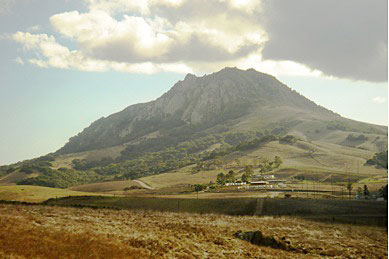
<point>50,232</point>
<point>327,159</point>
<point>330,155</point>
<point>14,177</point>
<point>66,160</point>
<point>105,186</point>
<point>30,193</point>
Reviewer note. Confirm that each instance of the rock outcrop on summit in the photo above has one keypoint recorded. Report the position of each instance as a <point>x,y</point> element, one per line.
<point>228,100</point>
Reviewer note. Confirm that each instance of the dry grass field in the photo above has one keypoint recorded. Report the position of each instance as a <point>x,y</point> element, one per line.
<point>105,186</point>
<point>29,193</point>
<point>327,159</point>
<point>53,232</point>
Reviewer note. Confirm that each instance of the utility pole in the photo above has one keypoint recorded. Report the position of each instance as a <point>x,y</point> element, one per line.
<point>307,189</point>
<point>358,167</point>
<point>318,188</point>
<point>332,187</point>
<point>348,181</point>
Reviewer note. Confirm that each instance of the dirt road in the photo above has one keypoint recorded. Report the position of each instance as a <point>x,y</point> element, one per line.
<point>144,185</point>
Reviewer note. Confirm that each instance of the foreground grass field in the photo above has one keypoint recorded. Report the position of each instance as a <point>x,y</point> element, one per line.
<point>340,211</point>
<point>53,232</point>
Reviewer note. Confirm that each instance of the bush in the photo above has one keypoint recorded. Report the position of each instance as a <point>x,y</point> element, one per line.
<point>288,139</point>
<point>380,160</point>
<point>352,137</point>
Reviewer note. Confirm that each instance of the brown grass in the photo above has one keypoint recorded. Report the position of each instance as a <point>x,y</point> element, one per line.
<point>30,193</point>
<point>105,186</point>
<point>327,159</point>
<point>52,232</point>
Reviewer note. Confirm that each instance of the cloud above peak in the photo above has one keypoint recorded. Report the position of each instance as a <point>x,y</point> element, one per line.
<point>155,39</point>
<point>201,36</point>
<point>149,7</point>
<point>346,39</point>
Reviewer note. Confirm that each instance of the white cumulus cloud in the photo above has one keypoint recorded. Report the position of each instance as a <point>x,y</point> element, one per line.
<point>52,54</point>
<point>379,99</point>
<point>149,36</point>
<point>19,60</point>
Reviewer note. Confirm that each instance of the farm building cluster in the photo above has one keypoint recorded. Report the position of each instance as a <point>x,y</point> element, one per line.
<point>259,182</point>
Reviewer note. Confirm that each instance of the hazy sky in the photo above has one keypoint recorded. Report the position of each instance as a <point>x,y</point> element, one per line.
<point>66,63</point>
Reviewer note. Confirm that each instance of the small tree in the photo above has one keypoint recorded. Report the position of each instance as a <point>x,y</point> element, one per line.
<point>277,162</point>
<point>246,177</point>
<point>384,192</point>
<point>249,169</point>
<point>198,188</point>
<point>221,178</point>
<point>365,191</point>
<point>265,166</point>
<point>231,176</point>
<point>349,188</point>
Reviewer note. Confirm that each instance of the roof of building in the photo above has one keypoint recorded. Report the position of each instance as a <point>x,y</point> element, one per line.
<point>259,182</point>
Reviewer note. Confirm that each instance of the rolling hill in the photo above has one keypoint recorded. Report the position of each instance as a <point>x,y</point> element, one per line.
<point>227,115</point>
<point>229,100</point>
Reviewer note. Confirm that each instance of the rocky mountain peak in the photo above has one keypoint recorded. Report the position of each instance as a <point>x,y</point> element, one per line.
<point>229,94</point>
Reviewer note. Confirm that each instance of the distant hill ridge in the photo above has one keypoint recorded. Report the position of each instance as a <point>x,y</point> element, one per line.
<point>228,100</point>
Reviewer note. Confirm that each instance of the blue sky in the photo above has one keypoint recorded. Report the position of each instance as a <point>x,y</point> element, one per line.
<point>64,64</point>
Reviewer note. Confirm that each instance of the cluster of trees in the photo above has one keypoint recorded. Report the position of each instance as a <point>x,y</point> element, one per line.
<point>225,178</point>
<point>199,187</point>
<point>149,164</point>
<point>264,165</point>
<point>380,160</point>
<point>61,178</point>
<point>83,164</point>
<point>49,177</point>
<point>364,192</point>
<point>37,166</point>
<point>6,169</point>
<point>28,166</point>
<point>138,160</point>
<point>288,139</point>
<point>338,125</point>
<point>216,163</point>
<point>255,143</point>
<point>344,126</point>
<point>196,144</point>
<point>352,137</point>
<point>248,173</point>
<point>184,154</point>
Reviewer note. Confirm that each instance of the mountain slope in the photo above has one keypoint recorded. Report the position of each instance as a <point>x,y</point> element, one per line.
<point>236,99</point>
<point>205,121</point>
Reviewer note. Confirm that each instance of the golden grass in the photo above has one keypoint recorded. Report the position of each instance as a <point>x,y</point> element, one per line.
<point>14,177</point>
<point>181,176</point>
<point>105,186</point>
<point>327,159</point>
<point>66,160</point>
<point>52,232</point>
<point>29,193</point>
